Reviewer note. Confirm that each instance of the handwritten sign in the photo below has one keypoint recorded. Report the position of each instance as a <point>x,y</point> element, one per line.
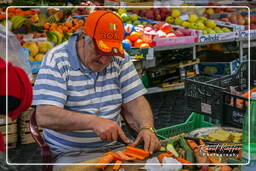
<point>217,37</point>
<point>245,34</point>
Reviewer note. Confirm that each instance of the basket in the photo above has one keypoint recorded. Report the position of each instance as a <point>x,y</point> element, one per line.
<point>214,97</point>
<point>193,122</point>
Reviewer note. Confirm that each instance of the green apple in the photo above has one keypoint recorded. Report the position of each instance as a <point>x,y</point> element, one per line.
<point>137,22</point>
<point>121,11</point>
<point>125,17</point>
<point>192,18</point>
<point>134,17</point>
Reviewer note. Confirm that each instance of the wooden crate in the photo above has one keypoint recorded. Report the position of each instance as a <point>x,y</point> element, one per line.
<point>12,140</point>
<point>12,128</point>
<point>26,138</point>
<point>3,120</point>
<point>25,116</point>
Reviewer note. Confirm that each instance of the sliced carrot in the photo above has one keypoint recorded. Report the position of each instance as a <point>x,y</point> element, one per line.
<point>137,151</point>
<point>161,156</point>
<point>193,145</point>
<point>124,156</point>
<point>117,165</point>
<point>135,155</point>
<point>185,162</point>
<point>105,159</point>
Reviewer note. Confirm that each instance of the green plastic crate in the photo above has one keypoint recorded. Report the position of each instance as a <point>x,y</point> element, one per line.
<point>193,122</point>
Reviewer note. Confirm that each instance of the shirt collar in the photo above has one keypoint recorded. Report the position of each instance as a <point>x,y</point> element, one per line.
<point>72,53</point>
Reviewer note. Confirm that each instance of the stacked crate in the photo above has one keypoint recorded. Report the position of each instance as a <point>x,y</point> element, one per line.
<point>12,130</point>
<point>25,136</point>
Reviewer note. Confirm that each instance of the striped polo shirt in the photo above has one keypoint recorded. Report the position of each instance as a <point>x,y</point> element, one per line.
<point>65,82</point>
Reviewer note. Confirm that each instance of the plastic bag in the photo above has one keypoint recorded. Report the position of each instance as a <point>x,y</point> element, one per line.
<point>15,53</point>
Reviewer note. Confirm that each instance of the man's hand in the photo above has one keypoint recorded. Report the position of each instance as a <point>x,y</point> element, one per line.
<point>151,142</point>
<point>108,130</point>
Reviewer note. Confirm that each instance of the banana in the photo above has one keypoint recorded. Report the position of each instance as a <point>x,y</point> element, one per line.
<point>67,35</point>
<point>17,22</point>
<point>52,37</point>
<point>59,36</point>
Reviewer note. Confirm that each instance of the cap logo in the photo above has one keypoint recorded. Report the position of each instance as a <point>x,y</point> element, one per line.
<point>115,50</point>
<point>103,45</point>
<point>109,36</point>
<point>112,27</point>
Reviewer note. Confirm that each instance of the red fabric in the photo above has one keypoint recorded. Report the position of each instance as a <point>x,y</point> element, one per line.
<point>2,145</point>
<point>19,86</point>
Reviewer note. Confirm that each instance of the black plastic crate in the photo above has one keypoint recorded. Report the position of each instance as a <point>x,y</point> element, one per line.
<point>214,97</point>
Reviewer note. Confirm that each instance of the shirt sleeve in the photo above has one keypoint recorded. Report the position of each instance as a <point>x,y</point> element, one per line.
<point>131,85</point>
<point>50,86</point>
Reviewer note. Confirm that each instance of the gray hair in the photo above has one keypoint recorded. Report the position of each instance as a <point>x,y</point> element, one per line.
<point>87,39</point>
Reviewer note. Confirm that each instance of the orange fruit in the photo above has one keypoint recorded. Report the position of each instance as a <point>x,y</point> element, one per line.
<point>138,42</point>
<point>144,45</point>
<point>134,36</point>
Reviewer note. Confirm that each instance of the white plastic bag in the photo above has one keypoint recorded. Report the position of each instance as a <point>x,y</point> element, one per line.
<point>15,52</point>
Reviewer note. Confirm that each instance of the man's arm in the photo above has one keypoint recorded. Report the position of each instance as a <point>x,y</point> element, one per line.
<point>58,119</point>
<point>141,113</point>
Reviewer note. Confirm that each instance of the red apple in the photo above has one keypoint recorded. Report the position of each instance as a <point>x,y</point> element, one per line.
<point>161,34</point>
<point>167,28</point>
<point>170,35</point>
<point>179,34</point>
<point>148,29</point>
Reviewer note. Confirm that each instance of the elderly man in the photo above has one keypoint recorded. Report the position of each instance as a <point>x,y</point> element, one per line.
<point>81,86</point>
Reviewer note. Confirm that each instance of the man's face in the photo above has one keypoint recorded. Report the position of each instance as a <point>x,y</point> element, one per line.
<point>95,61</point>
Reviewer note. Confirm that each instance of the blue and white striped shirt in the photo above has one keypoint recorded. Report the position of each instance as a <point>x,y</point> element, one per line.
<point>64,82</point>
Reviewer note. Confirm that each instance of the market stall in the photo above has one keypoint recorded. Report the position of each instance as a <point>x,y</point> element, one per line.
<point>201,51</point>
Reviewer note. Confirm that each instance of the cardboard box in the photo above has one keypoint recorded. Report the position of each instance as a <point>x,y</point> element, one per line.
<point>218,68</point>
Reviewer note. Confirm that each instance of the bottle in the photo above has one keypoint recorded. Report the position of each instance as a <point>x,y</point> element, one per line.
<point>252,143</point>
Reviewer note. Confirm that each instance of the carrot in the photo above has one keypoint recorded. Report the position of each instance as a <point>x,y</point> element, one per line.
<point>161,156</point>
<point>135,155</point>
<point>105,159</point>
<point>185,162</point>
<point>193,145</point>
<point>123,156</point>
<point>117,165</point>
<point>137,151</point>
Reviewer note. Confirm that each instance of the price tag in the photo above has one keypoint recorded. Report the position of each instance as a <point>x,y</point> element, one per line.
<point>150,54</point>
<point>184,17</point>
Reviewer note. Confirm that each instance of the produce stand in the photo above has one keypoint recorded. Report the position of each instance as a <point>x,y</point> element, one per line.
<point>165,52</point>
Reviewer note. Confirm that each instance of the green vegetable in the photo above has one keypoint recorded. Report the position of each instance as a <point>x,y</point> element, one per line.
<point>189,155</point>
<point>171,148</point>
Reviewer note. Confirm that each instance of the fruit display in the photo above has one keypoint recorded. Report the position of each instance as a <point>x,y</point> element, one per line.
<point>37,49</point>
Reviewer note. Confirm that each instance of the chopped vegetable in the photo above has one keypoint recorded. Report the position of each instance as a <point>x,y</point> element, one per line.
<point>136,151</point>
<point>135,155</point>
<point>171,148</point>
<point>117,165</point>
<point>193,145</point>
<point>161,156</point>
<point>104,160</point>
<point>188,152</point>
<point>123,156</point>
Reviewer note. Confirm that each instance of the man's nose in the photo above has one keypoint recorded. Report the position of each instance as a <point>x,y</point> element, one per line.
<point>105,59</point>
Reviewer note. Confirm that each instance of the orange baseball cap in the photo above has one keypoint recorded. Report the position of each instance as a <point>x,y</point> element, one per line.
<point>107,30</point>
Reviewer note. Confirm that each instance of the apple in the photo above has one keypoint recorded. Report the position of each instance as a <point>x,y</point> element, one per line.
<point>158,17</point>
<point>166,28</point>
<point>170,35</point>
<point>161,34</point>
<point>148,29</point>
<point>179,34</point>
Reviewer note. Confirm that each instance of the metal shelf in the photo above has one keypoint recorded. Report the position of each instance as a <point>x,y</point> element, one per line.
<point>153,90</point>
<point>171,47</point>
